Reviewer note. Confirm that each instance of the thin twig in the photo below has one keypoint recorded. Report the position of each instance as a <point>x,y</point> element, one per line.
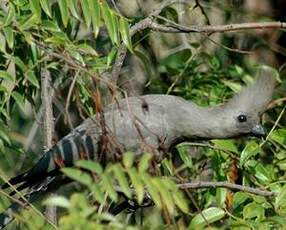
<point>69,99</point>
<point>225,184</point>
<point>274,126</point>
<point>274,103</point>
<point>228,48</point>
<point>198,4</point>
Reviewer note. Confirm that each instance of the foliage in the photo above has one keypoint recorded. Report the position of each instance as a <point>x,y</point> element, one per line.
<point>78,41</point>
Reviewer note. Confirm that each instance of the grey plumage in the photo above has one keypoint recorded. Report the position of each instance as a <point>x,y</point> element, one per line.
<point>152,123</point>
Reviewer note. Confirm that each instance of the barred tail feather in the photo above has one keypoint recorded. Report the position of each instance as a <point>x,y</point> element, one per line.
<point>63,154</point>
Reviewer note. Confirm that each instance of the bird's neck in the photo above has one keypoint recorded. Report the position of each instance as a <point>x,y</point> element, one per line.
<point>202,122</point>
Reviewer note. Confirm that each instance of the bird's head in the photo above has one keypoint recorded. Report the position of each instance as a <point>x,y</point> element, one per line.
<point>242,114</point>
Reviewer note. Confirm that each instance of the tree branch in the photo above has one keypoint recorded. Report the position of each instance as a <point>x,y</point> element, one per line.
<point>177,28</point>
<point>140,26</point>
<point>48,125</point>
<point>48,122</point>
<point>225,184</point>
<point>148,23</point>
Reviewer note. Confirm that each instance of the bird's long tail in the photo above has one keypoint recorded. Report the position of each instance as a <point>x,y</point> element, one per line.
<point>9,214</point>
<point>75,146</point>
<point>67,151</point>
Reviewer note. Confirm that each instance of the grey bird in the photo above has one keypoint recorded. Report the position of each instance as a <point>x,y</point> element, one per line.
<point>152,123</point>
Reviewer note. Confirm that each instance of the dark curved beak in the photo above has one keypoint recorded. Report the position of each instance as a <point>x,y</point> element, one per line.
<point>258,131</point>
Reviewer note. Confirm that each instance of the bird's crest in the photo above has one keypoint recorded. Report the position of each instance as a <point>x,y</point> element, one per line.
<point>257,95</point>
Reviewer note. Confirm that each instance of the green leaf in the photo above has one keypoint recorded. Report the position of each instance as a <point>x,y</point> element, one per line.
<point>279,136</point>
<point>235,87</point>
<point>111,56</point>
<point>57,39</point>
<point>9,35</point>
<point>282,164</point>
<point>5,75</point>
<point>63,5</point>
<point>98,194</point>
<point>110,23</point>
<point>20,64</point>
<point>210,215</point>
<point>137,184</point>
<point>239,198</point>
<point>185,156</point>
<point>280,201</point>
<point>168,166</point>
<point>59,201</point>
<point>115,28</point>
<point>238,69</point>
<point>227,145</point>
<point>165,194</point>
<point>108,186</point>
<point>90,165</point>
<point>262,173</point>
<point>281,220</point>
<point>50,26</point>
<point>46,7</point>
<point>86,11</point>
<point>2,146</point>
<point>35,55</point>
<point>4,137</point>
<point>32,78</point>
<point>2,43</point>
<point>19,99</point>
<point>73,6</point>
<point>28,37</point>
<point>178,196</point>
<point>87,49</point>
<point>10,16</point>
<point>152,189</point>
<point>28,24</point>
<point>95,17</point>
<point>76,55</point>
<point>221,197</point>
<point>215,62</point>
<point>250,150</point>
<point>144,162</point>
<point>78,175</point>
<point>120,176</point>
<point>128,159</point>
<point>124,31</point>
<point>252,210</point>
<point>181,201</point>
<point>36,8</point>
<point>176,62</point>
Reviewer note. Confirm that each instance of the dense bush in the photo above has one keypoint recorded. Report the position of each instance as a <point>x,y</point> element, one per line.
<point>77,42</point>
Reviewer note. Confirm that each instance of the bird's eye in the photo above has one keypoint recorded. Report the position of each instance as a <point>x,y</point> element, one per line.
<point>242,118</point>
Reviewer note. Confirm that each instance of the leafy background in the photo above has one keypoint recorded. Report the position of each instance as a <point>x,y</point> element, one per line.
<point>77,42</point>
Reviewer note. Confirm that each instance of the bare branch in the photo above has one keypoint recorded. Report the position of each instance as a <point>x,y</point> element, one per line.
<point>48,125</point>
<point>48,122</point>
<point>225,184</point>
<point>148,23</point>
<point>176,28</point>
<point>198,4</point>
<point>69,99</point>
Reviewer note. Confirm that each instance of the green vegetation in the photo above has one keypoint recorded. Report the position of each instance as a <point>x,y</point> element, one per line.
<point>77,41</point>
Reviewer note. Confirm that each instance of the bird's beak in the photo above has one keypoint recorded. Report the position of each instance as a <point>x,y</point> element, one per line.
<point>258,131</point>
